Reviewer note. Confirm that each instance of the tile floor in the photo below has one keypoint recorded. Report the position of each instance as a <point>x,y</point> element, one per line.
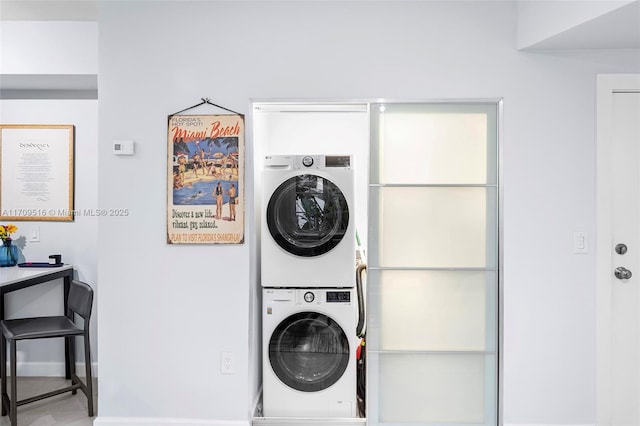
<point>61,410</point>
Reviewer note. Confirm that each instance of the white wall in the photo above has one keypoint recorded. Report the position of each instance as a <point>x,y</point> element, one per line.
<point>538,20</point>
<point>42,47</point>
<point>77,240</point>
<point>166,312</point>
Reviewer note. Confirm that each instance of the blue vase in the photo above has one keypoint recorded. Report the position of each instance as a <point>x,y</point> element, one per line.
<point>8,254</point>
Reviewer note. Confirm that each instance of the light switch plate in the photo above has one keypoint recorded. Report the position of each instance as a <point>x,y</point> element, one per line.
<point>580,242</point>
<point>34,234</point>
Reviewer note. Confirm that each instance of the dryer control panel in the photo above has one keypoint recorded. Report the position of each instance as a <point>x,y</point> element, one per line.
<point>341,161</point>
<point>319,162</point>
<point>307,162</point>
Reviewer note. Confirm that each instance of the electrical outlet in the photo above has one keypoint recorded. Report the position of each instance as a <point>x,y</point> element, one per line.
<point>227,365</point>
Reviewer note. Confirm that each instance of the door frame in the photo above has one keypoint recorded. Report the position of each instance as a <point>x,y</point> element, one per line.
<point>606,86</point>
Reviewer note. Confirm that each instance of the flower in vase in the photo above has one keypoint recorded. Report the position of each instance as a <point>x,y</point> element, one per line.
<point>6,231</point>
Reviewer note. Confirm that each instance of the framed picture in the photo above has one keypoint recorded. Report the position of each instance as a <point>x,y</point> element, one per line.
<point>36,172</point>
<point>205,179</point>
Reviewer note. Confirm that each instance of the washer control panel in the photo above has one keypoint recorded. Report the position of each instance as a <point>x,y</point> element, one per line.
<point>338,297</point>
<point>323,296</point>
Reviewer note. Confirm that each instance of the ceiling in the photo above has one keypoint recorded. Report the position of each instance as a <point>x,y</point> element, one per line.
<point>619,29</point>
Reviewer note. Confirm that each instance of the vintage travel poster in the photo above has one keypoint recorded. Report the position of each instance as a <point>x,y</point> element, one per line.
<point>205,191</point>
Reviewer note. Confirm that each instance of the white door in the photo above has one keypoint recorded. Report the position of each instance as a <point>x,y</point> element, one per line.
<point>618,286</point>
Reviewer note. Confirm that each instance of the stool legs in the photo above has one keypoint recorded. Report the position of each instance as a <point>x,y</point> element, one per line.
<point>70,344</point>
<point>9,403</point>
<point>3,373</point>
<point>13,408</point>
<point>88,376</point>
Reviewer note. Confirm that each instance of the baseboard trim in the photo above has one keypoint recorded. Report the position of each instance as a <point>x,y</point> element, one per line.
<point>50,369</point>
<point>300,421</point>
<point>549,424</point>
<point>156,421</point>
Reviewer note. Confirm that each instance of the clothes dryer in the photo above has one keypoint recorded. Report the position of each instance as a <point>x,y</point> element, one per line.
<point>309,353</point>
<point>308,221</point>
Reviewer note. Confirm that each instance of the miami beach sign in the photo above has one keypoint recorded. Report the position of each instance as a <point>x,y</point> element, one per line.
<point>205,179</point>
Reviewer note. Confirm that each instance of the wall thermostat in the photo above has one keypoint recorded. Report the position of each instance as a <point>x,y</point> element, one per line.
<point>123,147</point>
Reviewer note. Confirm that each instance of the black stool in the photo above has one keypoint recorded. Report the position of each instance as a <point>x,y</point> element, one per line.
<point>79,302</point>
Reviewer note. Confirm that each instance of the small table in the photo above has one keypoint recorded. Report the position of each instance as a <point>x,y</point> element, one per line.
<point>16,278</point>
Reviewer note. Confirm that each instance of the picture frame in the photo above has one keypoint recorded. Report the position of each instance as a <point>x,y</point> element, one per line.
<point>37,172</point>
<point>205,179</point>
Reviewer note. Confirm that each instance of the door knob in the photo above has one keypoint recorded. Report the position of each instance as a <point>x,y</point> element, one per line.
<point>621,248</point>
<point>622,273</point>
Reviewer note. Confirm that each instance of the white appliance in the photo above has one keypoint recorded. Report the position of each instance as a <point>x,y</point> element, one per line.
<point>308,221</point>
<point>309,352</point>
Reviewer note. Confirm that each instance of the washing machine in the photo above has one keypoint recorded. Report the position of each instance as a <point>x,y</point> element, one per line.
<point>308,221</point>
<point>309,352</point>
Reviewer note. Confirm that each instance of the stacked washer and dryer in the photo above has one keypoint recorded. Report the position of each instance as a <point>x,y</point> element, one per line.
<point>309,302</point>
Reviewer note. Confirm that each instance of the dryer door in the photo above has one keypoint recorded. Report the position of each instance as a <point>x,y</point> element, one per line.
<point>309,351</point>
<point>307,215</point>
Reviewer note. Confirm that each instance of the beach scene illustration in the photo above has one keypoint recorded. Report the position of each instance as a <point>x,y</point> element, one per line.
<point>205,172</point>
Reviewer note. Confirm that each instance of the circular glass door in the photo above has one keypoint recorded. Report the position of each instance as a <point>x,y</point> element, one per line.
<point>309,351</point>
<point>307,215</point>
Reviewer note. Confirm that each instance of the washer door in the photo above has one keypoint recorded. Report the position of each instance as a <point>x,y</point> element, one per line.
<point>309,351</point>
<point>307,215</point>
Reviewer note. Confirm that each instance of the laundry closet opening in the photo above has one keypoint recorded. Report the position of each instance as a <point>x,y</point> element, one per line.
<point>411,190</point>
